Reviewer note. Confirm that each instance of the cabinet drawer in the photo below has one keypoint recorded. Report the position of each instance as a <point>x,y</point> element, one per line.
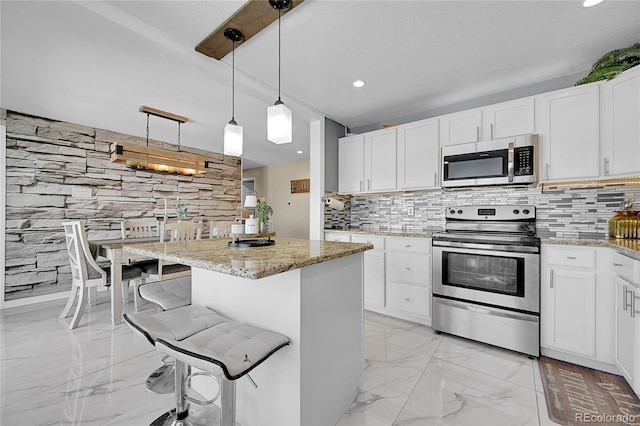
<point>408,298</point>
<point>377,241</point>
<point>624,266</point>
<point>409,267</point>
<point>571,256</point>
<point>418,245</point>
<point>343,238</point>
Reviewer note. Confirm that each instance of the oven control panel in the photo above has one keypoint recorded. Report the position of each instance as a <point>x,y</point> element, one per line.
<point>493,212</point>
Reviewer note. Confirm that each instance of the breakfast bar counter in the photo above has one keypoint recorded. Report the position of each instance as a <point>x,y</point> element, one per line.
<point>310,291</point>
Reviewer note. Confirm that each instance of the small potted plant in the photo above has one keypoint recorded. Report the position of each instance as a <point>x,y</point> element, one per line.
<point>263,211</point>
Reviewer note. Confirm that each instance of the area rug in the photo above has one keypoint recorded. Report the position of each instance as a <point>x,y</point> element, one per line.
<point>578,395</point>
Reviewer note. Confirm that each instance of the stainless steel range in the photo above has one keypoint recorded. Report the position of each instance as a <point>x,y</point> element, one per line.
<point>486,276</point>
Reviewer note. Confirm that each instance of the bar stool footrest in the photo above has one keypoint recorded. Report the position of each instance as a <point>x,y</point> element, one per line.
<point>207,401</point>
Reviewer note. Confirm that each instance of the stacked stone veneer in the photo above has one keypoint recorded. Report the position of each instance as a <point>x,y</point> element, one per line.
<point>561,212</point>
<point>46,159</point>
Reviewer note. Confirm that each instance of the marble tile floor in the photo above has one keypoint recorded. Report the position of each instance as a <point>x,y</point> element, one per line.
<point>94,375</point>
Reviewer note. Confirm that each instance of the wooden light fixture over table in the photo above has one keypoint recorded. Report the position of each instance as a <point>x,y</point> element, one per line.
<point>250,19</point>
<point>144,157</point>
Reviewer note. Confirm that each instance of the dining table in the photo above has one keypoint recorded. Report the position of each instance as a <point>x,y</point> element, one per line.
<point>112,250</point>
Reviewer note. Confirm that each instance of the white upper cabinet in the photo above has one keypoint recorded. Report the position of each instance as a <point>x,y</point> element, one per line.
<point>621,124</point>
<point>351,164</point>
<point>418,155</point>
<point>461,127</point>
<point>567,122</point>
<point>491,122</point>
<point>508,119</point>
<point>380,160</point>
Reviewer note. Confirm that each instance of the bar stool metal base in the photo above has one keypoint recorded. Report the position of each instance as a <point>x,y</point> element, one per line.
<point>162,380</point>
<point>170,419</point>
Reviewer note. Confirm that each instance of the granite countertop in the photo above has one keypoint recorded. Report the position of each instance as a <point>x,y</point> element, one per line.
<point>253,263</point>
<point>628,247</point>
<point>419,233</point>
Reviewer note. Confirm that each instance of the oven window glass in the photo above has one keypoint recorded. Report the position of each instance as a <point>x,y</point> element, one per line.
<point>495,274</point>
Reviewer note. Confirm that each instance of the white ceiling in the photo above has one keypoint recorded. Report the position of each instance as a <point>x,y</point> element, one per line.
<point>97,62</point>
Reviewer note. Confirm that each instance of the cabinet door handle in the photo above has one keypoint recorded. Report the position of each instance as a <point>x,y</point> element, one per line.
<point>550,278</point>
<point>408,245</point>
<point>617,264</point>
<point>491,130</point>
<point>435,179</point>
<point>571,257</point>
<point>546,170</point>
<point>408,299</point>
<point>633,304</point>
<point>407,268</point>
<point>368,183</point>
<point>625,303</point>
<point>477,133</point>
<point>360,184</point>
<point>606,165</point>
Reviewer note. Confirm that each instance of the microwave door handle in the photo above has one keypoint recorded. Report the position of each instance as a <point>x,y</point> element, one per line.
<point>510,162</point>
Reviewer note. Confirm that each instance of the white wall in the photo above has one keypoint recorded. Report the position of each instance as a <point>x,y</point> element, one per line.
<point>317,173</point>
<point>290,211</point>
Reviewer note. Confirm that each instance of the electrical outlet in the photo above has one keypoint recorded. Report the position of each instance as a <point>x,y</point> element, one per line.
<point>410,211</point>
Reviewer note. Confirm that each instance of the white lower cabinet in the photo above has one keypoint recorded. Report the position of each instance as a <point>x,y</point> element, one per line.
<point>397,275</point>
<point>408,298</point>
<point>374,271</point>
<point>627,317</point>
<point>409,278</point>
<point>337,236</point>
<point>577,302</point>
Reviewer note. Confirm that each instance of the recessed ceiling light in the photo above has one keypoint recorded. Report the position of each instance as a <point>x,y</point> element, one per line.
<point>358,83</point>
<point>590,3</point>
<point>299,152</point>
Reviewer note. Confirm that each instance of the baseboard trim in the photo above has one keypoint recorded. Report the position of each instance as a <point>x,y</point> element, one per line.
<point>575,359</point>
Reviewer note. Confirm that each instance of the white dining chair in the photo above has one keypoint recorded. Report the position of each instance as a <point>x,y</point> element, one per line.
<point>221,229</point>
<point>86,274</point>
<point>139,228</point>
<point>85,271</point>
<point>175,232</point>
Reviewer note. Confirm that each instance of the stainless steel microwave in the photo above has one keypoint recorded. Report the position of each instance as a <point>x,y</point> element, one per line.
<point>507,161</point>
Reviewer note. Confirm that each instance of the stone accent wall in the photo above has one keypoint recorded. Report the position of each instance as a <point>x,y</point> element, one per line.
<point>561,212</point>
<point>47,159</point>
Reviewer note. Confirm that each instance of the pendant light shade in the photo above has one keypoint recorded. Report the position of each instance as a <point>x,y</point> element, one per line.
<point>279,123</point>
<point>233,139</point>
<point>232,131</point>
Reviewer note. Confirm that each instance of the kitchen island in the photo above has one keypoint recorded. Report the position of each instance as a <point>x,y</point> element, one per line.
<point>310,291</point>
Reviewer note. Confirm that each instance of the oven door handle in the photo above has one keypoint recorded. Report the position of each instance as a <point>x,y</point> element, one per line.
<point>495,247</point>
<point>488,311</point>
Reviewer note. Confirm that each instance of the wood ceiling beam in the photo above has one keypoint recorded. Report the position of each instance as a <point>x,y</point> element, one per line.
<point>250,19</point>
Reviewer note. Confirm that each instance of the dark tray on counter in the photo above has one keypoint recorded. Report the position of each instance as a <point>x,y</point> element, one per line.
<point>260,242</point>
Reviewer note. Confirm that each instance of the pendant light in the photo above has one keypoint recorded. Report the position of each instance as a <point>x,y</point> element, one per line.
<point>278,115</point>
<point>233,132</point>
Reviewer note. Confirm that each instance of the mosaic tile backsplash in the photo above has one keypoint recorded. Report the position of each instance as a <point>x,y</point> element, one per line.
<point>561,212</point>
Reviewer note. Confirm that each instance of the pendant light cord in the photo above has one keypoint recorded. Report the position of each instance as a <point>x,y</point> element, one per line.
<point>233,80</point>
<point>279,55</point>
<point>178,136</point>
<point>147,129</point>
